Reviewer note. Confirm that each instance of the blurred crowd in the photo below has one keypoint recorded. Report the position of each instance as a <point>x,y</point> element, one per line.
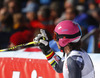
<point>21,20</point>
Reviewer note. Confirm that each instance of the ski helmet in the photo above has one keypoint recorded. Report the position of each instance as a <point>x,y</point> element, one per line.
<point>67,32</point>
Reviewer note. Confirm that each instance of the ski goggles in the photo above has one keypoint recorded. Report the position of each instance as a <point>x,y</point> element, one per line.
<point>56,36</point>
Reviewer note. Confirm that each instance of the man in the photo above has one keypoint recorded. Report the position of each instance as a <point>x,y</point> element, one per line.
<point>20,37</point>
<point>30,10</point>
<point>44,18</point>
<point>76,63</point>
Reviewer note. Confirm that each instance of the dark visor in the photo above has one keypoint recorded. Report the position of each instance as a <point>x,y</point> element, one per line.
<point>57,37</point>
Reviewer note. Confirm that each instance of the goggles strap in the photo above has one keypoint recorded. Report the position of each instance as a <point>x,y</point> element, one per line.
<point>57,37</point>
<point>69,36</point>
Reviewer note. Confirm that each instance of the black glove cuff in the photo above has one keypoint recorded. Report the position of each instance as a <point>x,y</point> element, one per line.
<point>45,49</point>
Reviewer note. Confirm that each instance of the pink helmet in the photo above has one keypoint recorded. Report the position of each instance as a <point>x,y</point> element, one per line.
<point>67,32</point>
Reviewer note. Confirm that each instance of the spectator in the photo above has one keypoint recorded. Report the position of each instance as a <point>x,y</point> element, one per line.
<point>44,14</point>
<point>44,18</point>
<point>95,14</point>
<point>19,22</point>
<point>6,21</point>
<point>69,3</point>
<point>30,10</point>
<point>91,41</point>
<point>71,13</point>
<point>27,15</point>
<point>56,10</point>
<point>21,38</point>
<point>31,15</point>
<point>91,5</point>
<point>13,7</point>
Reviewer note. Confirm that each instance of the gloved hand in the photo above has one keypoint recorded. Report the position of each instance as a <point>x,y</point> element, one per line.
<point>43,42</point>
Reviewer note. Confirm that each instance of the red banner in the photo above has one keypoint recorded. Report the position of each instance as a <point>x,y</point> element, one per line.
<point>26,68</point>
<point>32,63</point>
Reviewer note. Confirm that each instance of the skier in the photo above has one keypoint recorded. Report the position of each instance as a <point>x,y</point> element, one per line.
<point>76,62</point>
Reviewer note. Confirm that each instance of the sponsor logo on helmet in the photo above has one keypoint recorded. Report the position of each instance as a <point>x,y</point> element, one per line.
<point>64,30</point>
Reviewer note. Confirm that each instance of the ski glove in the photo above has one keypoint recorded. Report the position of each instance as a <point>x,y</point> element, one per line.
<point>43,42</point>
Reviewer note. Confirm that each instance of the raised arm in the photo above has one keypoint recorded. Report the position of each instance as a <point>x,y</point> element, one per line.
<point>52,57</point>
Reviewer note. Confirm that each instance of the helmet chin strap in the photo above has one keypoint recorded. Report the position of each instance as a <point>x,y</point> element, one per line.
<point>62,50</point>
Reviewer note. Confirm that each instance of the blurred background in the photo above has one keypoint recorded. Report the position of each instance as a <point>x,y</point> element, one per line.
<point>20,20</point>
